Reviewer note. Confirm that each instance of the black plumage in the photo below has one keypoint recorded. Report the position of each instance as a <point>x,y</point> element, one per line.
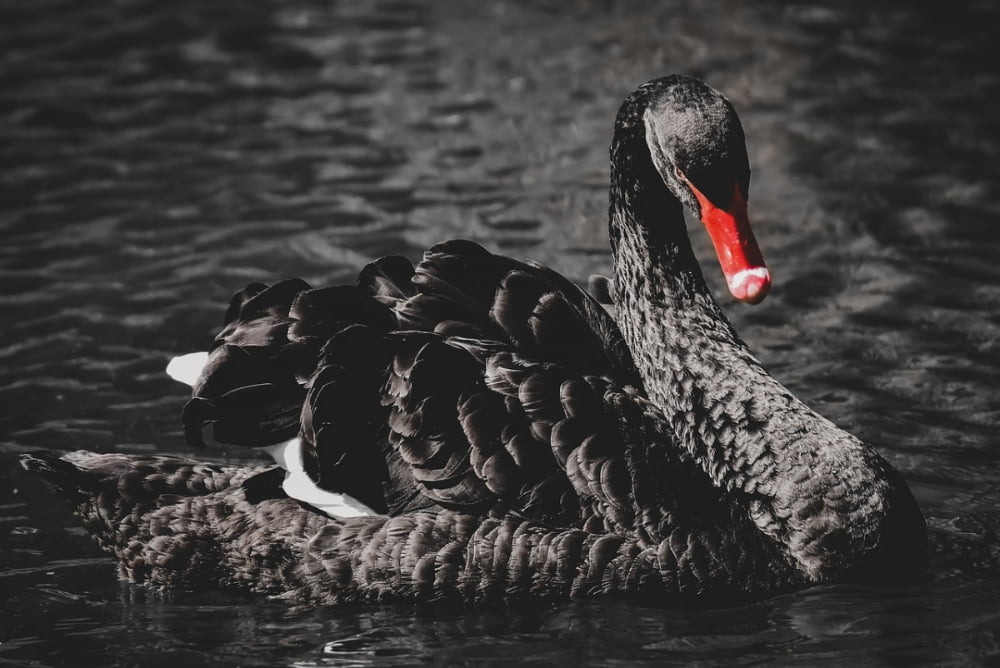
<point>518,441</point>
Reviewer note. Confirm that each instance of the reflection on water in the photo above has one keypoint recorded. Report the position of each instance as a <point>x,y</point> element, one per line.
<point>157,156</point>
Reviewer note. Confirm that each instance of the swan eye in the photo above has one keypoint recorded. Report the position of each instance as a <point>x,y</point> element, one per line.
<point>679,173</point>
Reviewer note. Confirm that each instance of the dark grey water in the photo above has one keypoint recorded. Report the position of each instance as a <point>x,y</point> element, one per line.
<point>156,156</point>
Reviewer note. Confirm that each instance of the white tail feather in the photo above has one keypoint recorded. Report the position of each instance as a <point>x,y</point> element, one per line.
<point>187,368</point>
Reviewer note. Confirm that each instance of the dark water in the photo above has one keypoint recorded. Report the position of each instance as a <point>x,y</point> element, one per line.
<point>155,156</point>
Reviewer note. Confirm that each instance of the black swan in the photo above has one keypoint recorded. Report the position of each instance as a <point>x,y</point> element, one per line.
<point>480,429</point>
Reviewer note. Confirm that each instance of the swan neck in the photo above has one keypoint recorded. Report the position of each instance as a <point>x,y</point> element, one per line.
<point>664,304</point>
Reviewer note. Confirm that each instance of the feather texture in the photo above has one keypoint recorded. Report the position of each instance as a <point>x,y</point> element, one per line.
<point>170,531</point>
<point>514,438</point>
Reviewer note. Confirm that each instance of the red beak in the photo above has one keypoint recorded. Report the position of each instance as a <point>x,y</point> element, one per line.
<point>746,274</point>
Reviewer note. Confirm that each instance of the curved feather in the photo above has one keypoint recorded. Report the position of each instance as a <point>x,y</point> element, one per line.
<point>404,420</point>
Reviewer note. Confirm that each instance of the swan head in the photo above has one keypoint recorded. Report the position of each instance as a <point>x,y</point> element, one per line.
<point>697,145</point>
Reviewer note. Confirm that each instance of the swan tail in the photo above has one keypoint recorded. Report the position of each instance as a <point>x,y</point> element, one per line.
<point>181,524</point>
<point>88,483</point>
<point>67,478</point>
<point>110,492</point>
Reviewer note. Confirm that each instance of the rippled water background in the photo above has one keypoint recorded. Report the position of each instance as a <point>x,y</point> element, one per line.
<point>156,156</point>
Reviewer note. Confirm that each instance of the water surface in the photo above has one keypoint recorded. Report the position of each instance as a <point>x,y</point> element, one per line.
<point>156,156</point>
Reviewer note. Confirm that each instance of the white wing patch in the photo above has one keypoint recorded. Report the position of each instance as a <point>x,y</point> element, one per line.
<point>300,486</point>
<point>187,368</point>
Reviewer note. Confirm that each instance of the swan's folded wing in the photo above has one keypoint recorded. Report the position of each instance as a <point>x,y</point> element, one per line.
<point>515,393</point>
<point>408,420</point>
<point>380,421</point>
<point>248,388</point>
<point>464,290</point>
<point>252,387</point>
<point>343,432</point>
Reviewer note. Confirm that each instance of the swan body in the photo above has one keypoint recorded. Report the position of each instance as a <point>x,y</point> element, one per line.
<point>479,428</point>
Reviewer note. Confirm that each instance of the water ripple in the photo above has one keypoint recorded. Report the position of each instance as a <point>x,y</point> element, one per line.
<point>157,156</point>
